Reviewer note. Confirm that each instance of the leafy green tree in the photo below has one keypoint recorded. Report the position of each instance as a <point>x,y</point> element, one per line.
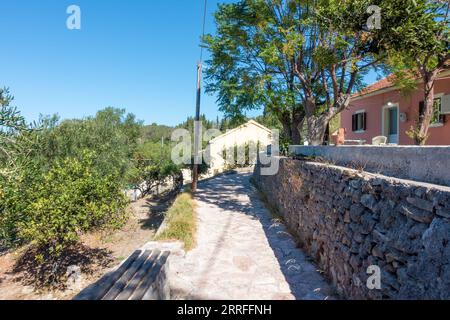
<point>418,48</point>
<point>252,61</point>
<point>153,166</point>
<point>206,125</point>
<point>189,123</point>
<point>17,170</point>
<point>333,58</point>
<point>291,57</point>
<point>112,134</point>
<point>412,41</point>
<point>13,136</point>
<point>41,167</point>
<point>272,122</point>
<point>156,133</point>
<point>10,119</point>
<point>71,199</point>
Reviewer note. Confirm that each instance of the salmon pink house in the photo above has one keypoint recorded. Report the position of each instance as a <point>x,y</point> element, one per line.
<point>382,110</point>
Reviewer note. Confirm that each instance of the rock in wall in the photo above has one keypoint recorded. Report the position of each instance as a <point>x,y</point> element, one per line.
<point>348,220</point>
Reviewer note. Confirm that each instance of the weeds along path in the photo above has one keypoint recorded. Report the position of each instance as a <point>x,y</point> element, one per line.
<point>241,252</point>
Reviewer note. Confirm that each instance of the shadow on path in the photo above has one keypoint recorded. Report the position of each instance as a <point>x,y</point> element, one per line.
<point>234,193</point>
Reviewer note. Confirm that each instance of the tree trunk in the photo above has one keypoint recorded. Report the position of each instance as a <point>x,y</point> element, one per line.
<point>286,123</point>
<point>296,138</point>
<point>291,126</point>
<point>317,126</point>
<point>421,133</point>
<point>297,121</point>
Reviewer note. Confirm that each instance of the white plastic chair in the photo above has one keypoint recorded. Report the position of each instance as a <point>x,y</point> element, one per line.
<point>379,141</point>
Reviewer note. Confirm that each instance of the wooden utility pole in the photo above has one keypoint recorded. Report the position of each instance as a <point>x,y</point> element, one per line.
<point>197,138</point>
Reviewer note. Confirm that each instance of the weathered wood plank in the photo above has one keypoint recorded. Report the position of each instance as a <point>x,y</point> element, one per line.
<point>146,284</point>
<point>142,273</point>
<point>126,277</point>
<point>97,290</point>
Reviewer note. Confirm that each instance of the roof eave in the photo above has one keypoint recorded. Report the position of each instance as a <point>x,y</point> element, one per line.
<point>393,88</point>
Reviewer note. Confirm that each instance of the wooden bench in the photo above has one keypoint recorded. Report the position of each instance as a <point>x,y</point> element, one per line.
<point>143,276</point>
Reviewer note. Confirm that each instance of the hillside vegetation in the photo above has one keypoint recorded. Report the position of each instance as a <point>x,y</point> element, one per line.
<point>62,179</point>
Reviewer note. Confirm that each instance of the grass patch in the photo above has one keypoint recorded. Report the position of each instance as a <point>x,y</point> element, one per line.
<point>181,222</point>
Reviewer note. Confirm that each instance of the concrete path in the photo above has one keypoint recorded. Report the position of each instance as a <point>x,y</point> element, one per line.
<point>241,252</point>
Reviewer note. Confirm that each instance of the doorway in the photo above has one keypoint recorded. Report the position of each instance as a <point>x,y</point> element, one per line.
<point>391,123</point>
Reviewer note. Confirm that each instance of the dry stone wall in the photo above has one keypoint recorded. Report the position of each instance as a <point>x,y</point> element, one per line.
<point>348,221</point>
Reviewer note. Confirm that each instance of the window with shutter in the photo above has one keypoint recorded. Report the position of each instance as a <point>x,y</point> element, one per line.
<point>445,104</point>
<point>364,121</point>
<point>421,108</point>
<point>437,117</point>
<point>359,122</point>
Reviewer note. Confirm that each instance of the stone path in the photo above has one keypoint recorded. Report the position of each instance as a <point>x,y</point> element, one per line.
<point>241,252</point>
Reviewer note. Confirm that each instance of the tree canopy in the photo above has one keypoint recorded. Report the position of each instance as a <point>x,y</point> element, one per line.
<point>301,60</point>
<point>252,64</point>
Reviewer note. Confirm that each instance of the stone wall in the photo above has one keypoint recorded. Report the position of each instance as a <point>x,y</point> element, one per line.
<point>347,220</point>
<point>425,164</point>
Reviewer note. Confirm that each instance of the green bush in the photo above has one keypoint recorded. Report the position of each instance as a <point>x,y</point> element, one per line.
<point>73,198</point>
<point>112,134</point>
<point>14,199</point>
<point>8,216</point>
<point>17,171</point>
<point>152,167</point>
<point>247,158</point>
<point>59,180</point>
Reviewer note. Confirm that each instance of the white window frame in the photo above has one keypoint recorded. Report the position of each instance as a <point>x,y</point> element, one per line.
<point>437,125</point>
<point>359,112</point>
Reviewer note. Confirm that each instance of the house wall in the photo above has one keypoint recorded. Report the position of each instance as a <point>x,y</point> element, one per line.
<point>410,105</point>
<point>245,134</point>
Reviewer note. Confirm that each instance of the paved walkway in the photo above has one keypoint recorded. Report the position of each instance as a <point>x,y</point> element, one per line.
<point>241,253</point>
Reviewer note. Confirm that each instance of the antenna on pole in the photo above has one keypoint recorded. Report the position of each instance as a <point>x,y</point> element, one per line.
<point>197,138</point>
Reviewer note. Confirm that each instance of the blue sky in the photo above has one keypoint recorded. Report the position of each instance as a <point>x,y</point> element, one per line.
<point>139,55</point>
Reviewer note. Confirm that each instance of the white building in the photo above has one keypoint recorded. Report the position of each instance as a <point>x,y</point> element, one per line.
<point>251,133</point>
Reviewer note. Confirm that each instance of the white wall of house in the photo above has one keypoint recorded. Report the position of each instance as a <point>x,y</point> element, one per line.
<point>248,132</point>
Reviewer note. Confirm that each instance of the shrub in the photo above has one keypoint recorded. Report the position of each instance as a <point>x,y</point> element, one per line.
<point>203,167</point>
<point>17,171</point>
<point>73,198</point>
<point>241,156</point>
<point>152,168</point>
<point>111,134</point>
<point>11,211</point>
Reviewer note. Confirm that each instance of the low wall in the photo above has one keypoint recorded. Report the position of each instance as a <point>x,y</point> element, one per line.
<point>347,221</point>
<point>426,164</point>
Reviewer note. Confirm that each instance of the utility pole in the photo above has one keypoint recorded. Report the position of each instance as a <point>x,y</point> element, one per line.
<point>197,140</point>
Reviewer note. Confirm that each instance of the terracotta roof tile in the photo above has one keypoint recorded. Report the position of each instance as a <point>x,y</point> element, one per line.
<point>386,83</point>
<point>379,85</point>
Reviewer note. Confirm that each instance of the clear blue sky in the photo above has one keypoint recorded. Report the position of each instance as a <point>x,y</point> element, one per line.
<point>139,55</point>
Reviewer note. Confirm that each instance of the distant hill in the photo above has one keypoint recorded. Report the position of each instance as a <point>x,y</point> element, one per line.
<point>155,132</point>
